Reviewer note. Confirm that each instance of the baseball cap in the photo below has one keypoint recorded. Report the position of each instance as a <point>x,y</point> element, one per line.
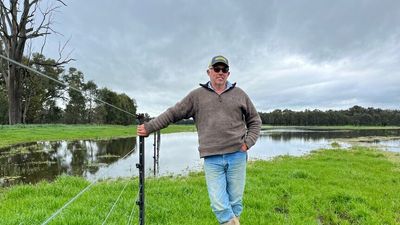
<point>219,59</point>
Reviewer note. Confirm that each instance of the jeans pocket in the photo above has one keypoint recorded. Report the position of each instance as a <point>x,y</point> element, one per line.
<point>245,153</point>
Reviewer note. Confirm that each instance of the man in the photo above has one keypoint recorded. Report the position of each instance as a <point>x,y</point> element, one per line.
<point>228,125</point>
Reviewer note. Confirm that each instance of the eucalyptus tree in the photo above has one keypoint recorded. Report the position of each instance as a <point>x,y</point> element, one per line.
<point>110,115</point>
<point>128,104</point>
<point>3,103</point>
<point>90,92</point>
<point>75,111</point>
<point>40,95</point>
<point>22,21</point>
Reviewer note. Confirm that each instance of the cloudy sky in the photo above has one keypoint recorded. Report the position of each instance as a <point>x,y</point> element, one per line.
<point>285,54</point>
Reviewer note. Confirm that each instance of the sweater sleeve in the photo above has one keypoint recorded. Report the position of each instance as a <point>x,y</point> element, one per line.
<point>181,110</point>
<point>253,123</point>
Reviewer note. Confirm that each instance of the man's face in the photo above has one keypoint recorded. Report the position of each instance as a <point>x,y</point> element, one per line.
<point>218,74</point>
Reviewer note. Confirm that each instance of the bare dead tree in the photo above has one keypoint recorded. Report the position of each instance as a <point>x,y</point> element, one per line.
<point>20,21</point>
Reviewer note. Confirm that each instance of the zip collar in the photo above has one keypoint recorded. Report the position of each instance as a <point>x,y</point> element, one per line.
<point>208,87</point>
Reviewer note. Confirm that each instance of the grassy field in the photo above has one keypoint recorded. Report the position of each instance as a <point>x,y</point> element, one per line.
<point>356,186</point>
<point>51,132</point>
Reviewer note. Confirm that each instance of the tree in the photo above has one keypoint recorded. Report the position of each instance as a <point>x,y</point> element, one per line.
<point>75,111</point>
<point>90,90</point>
<point>3,103</point>
<point>39,95</point>
<point>106,113</point>
<point>51,113</point>
<point>128,104</point>
<point>142,117</point>
<point>19,24</point>
<point>355,115</point>
<point>276,117</point>
<point>110,115</point>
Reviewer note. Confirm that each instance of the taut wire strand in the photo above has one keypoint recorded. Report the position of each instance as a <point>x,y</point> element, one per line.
<point>57,81</point>
<point>79,194</point>
<point>115,203</point>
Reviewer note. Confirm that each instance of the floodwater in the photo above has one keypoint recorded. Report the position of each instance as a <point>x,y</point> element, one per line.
<point>33,162</point>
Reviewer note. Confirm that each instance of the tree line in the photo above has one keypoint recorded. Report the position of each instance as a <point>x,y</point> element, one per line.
<point>42,97</point>
<point>355,115</point>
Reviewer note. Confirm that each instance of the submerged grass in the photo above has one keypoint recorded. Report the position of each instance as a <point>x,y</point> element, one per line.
<point>356,186</point>
<point>346,127</point>
<point>10,135</point>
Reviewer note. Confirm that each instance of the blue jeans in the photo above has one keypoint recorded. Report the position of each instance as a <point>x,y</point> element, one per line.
<point>226,176</point>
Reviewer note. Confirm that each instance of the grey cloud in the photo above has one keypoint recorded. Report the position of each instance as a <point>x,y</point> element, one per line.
<point>295,54</point>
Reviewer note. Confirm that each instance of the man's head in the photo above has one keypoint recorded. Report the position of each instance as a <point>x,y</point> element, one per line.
<point>218,70</point>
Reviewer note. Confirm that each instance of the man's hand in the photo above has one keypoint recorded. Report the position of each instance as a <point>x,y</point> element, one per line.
<point>244,148</point>
<point>141,131</point>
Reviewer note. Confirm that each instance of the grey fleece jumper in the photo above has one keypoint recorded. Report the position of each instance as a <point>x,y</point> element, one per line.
<point>224,122</point>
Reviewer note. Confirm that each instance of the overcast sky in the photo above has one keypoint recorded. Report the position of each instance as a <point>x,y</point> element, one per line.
<point>285,54</point>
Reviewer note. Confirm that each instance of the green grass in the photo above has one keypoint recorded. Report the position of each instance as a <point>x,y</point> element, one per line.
<point>10,135</point>
<point>357,186</point>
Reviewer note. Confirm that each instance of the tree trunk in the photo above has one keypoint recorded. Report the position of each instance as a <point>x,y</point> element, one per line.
<point>25,107</point>
<point>14,96</point>
<point>21,21</point>
<point>90,110</point>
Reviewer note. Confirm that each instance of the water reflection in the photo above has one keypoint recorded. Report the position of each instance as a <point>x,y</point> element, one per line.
<point>30,163</point>
<point>289,134</point>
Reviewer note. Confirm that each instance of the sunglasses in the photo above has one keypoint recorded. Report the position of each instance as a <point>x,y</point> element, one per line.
<point>218,69</point>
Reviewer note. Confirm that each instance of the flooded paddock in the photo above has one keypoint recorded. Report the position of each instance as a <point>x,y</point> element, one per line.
<point>33,162</point>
